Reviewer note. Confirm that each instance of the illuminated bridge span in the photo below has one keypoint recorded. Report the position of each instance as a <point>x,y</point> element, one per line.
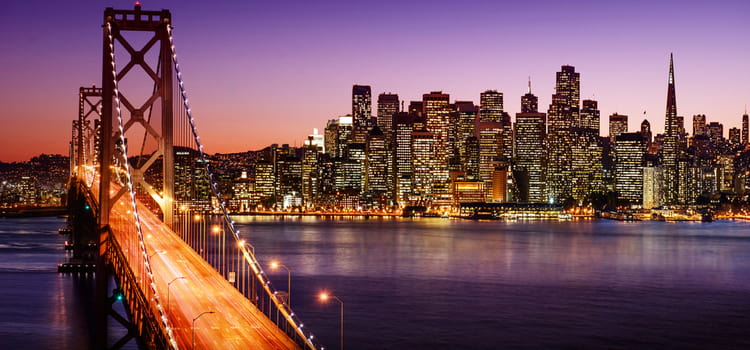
<point>147,210</point>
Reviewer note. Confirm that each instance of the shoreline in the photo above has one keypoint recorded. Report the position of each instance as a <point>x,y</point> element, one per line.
<point>33,212</point>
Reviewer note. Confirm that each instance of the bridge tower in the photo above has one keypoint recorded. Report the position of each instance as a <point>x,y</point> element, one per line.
<point>125,116</point>
<point>84,132</point>
<point>154,114</point>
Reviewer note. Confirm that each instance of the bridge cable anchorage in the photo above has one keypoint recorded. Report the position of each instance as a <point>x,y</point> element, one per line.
<point>248,255</point>
<point>131,190</point>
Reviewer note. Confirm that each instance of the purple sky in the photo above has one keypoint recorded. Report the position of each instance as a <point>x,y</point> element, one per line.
<point>268,72</point>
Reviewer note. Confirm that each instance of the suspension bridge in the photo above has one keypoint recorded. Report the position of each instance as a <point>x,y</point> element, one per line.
<point>147,213</point>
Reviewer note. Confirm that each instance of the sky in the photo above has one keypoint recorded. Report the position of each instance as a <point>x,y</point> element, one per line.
<point>262,72</point>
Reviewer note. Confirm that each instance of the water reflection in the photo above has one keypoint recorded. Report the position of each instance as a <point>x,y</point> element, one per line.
<point>409,276</point>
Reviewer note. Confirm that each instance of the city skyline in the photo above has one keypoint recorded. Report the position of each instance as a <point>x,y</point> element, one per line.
<point>274,56</point>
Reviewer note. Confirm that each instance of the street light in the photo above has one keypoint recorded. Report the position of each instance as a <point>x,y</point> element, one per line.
<point>197,317</point>
<point>169,285</point>
<point>324,297</point>
<point>275,265</point>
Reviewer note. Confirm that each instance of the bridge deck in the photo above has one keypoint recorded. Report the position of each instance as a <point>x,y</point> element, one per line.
<point>236,323</point>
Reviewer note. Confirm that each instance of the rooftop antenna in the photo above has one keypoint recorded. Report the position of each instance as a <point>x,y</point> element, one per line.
<point>529,91</point>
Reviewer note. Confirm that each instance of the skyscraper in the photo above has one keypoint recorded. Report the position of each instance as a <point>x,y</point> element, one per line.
<point>734,136</point>
<point>361,105</point>
<point>490,148</point>
<point>403,125</point>
<point>423,153</point>
<point>388,105</point>
<point>629,155</point>
<point>715,133</point>
<point>529,101</point>
<point>646,132</point>
<point>309,172</point>
<point>491,106</point>
<point>587,153</point>
<point>467,117</point>
<point>437,116</point>
<point>670,148</point>
<point>618,124</point>
<point>745,133</point>
<point>376,169</point>
<point>699,125</point>
<point>531,157</point>
<point>563,114</point>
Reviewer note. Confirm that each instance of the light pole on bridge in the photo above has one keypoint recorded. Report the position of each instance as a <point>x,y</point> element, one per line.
<point>275,265</point>
<point>170,285</point>
<point>325,297</point>
<point>197,317</point>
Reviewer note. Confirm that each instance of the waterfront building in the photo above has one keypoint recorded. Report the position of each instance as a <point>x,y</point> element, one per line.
<point>423,159</point>
<point>652,187</point>
<point>531,156</point>
<point>191,182</point>
<point>310,171</point>
<point>242,199</point>
<point>500,192</point>
<point>403,125</point>
<point>437,117</point>
<point>587,153</point>
<point>471,159</point>
<point>289,181</point>
<point>630,149</point>
<point>388,106</point>
<point>563,113</point>
<point>467,118</point>
<point>491,111</point>
<point>326,174</point>
<point>355,167</point>
<point>467,192</point>
<point>265,182</point>
<point>490,143</point>
<point>376,169</point>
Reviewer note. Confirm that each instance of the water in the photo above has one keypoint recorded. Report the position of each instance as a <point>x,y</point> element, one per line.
<point>451,284</point>
<point>445,284</point>
<point>39,308</point>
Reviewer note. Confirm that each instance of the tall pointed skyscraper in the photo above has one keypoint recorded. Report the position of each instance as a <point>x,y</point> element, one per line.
<point>670,150</point>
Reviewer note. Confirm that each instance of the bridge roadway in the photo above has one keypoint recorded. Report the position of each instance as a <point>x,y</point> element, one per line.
<point>236,323</point>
